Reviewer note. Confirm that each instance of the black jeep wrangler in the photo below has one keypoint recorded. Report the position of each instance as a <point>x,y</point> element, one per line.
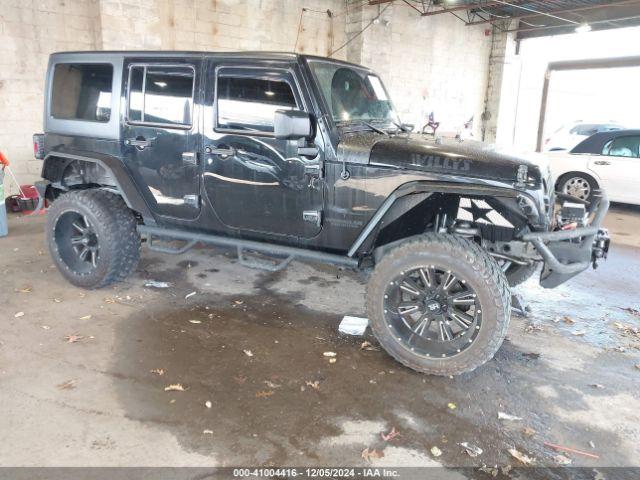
<point>293,156</point>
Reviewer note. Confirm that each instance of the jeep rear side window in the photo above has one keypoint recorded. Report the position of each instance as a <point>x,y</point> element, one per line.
<point>161,95</point>
<point>249,104</point>
<point>82,91</point>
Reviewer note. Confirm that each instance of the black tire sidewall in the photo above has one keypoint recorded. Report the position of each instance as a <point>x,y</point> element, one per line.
<point>99,213</point>
<point>493,309</point>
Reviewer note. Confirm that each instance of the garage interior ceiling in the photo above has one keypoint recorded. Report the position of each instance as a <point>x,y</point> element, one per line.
<point>533,18</point>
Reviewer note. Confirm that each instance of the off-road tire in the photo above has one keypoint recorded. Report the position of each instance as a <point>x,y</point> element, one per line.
<point>517,274</point>
<point>115,229</point>
<point>479,269</point>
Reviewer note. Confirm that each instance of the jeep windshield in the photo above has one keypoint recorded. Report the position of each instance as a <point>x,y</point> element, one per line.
<point>355,97</point>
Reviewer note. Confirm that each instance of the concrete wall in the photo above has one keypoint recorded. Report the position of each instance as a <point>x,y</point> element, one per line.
<point>428,63</point>
<point>433,63</point>
<point>29,31</point>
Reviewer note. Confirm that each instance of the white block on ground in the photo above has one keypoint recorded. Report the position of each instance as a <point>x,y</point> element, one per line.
<point>353,325</point>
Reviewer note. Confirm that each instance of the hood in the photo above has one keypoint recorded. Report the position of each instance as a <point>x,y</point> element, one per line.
<point>443,156</point>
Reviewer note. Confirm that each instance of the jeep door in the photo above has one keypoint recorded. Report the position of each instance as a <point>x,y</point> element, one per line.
<point>253,181</point>
<point>160,134</point>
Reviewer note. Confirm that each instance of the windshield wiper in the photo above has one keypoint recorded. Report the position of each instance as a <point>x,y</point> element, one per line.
<point>371,127</point>
<point>403,128</point>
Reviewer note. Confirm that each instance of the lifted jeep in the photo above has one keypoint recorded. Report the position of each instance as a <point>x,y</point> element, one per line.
<point>294,156</point>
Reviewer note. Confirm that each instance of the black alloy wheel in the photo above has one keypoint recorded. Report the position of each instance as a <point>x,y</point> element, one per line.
<point>433,311</point>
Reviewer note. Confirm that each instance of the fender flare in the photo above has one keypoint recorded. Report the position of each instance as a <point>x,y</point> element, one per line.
<point>124,183</point>
<point>425,187</point>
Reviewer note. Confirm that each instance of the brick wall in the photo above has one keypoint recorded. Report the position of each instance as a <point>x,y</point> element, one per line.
<point>428,63</point>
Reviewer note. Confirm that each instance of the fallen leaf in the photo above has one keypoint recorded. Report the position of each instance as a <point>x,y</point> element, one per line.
<point>73,338</point>
<point>315,385</point>
<point>436,452</point>
<point>195,321</point>
<point>528,431</point>
<point>174,387</point>
<point>637,365</point>
<point>507,416</point>
<point>472,450</point>
<point>19,314</point>
<point>329,354</point>
<point>68,385</point>
<point>238,302</point>
<point>391,435</point>
<point>271,384</point>
<point>369,347</point>
<point>520,456</point>
<point>568,320</point>
<point>264,393</point>
<point>208,404</point>
<point>157,371</point>
<point>207,432</point>
<point>25,290</point>
<point>369,454</point>
<point>562,460</point>
<point>578,333</point>
<point>86,317</point>
<point>451,405</point>
<point>57,300</point>
<point>248,353</point>
<point>533,328</point>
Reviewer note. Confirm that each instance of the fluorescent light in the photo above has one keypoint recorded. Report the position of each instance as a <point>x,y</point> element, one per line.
<point>160,84</point>
<point>269,93</point>
<point>583,28</point>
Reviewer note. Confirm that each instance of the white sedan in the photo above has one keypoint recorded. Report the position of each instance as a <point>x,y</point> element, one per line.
<point>607,160</point>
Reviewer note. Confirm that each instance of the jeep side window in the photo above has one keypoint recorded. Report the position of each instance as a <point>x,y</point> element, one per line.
<point>245,103</point>
<point>161,95</point>
<point>82,91</point>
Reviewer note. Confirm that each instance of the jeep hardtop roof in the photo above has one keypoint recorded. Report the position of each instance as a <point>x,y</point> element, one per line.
<point>262,55</point>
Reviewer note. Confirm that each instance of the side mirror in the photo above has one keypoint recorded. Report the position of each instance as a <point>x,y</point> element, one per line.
<point>292,125</point>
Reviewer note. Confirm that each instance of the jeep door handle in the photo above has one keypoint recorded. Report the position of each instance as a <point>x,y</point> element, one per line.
<point>139,142</point>
<point>602,162</point>
<point>224,152</point>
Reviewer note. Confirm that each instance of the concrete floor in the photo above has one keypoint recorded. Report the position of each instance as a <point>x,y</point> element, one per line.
<point>97,402</point>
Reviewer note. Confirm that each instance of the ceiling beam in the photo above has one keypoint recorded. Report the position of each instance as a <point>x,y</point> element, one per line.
<point>564,10</point>
<point>561,25</point>
<point>468,6</point>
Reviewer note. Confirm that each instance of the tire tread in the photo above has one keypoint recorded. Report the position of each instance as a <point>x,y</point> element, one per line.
<point>482,263</point>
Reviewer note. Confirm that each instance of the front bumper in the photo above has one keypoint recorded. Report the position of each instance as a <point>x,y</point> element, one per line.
<point>568,252</point>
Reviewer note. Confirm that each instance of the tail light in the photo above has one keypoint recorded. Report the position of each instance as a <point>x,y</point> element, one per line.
<point>38,146</point>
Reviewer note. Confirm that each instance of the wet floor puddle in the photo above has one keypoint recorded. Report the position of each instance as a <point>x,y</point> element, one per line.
<point>276,399</point>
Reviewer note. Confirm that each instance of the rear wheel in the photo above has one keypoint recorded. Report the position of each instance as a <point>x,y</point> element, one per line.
<point>439,304</point>
<point>576,184</point>
<point>92,238</point>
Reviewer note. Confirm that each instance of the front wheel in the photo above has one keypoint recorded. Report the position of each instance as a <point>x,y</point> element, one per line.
<point>439,304</point>
<point>92,238</point>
